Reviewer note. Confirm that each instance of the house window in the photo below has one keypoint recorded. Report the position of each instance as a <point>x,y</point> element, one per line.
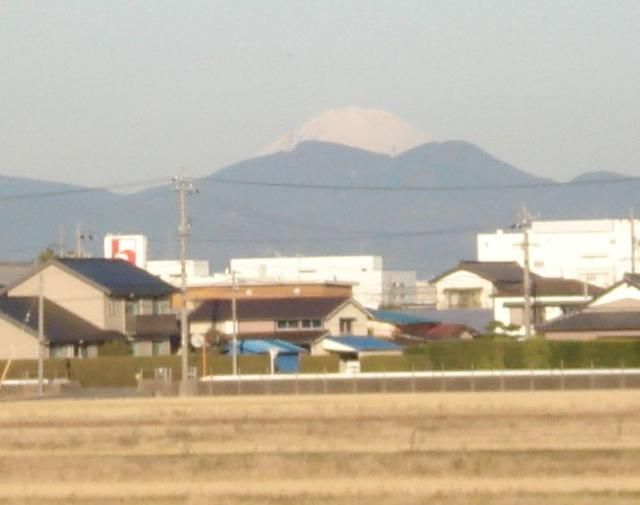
<point>287,324</point>
<point>131,307</point>
<point>463,298</point>
<point>156,348</point>
<point>308,324</point>
<point>346,326</point>
<point>160,306</point>
<point>145,307</point>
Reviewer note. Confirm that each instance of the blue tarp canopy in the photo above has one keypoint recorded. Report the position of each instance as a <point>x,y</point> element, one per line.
<point>365,343</point>
<point>264,346</point>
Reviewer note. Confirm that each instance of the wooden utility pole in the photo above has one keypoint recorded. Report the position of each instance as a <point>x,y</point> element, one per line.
<point>183,186</point>
<point>40,334</point>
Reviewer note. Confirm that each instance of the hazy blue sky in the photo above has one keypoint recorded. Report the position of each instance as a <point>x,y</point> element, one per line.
<point>98,92</point>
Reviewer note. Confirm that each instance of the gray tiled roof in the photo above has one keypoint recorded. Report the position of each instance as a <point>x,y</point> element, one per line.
<point>118,277</point>
<point>494,271</point>
<point>595,321</point>
<point>60,325</point>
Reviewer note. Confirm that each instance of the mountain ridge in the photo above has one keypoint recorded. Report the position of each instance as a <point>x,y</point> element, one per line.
<point>424,230</point>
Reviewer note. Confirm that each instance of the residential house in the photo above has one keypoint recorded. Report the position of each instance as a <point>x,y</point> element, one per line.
<point>615,313</point>
<point>112,295</point>
<point>65,334</point>
<point>472,284</point>
<point>296,320</point>
<point>549,299</point>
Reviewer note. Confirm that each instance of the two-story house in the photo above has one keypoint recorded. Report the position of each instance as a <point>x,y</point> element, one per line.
<point>297,320</point>
<point>113,296</point>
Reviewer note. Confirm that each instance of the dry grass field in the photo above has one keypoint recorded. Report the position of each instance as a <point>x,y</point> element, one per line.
<point>567,448</point>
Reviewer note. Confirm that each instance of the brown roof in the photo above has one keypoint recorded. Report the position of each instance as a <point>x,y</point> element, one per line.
<point>448,331</point>
<point>549,286</point>
<point>493,271</point>
<point>267,308</point>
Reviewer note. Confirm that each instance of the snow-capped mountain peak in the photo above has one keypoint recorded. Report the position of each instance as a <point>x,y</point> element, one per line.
<point>370,129</point>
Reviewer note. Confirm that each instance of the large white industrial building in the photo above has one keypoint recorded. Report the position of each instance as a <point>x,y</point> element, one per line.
<point>597,251</point>
<point>373,286</point>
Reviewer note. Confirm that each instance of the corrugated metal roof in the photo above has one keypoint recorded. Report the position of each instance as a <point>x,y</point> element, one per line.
<point>119,277</point>
<point>365,343</point>
<point>390,316</point>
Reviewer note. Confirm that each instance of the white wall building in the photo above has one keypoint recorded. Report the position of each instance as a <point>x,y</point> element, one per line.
<point>198,272</point>
<point>597,251</point>
<point>373,286</point>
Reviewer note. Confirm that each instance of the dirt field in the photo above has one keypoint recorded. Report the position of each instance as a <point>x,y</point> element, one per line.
<point>575,448</point>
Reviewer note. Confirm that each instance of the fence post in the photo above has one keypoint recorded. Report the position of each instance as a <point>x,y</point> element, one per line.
<point>623,380</point>
<point>531,388</point>
<point>413,378</point>
<point>383,386</point>
<point>591,377</point>
<point>324,381</point>
<point>443,386</point>
<point>562,374</point>
<point>473,383</point>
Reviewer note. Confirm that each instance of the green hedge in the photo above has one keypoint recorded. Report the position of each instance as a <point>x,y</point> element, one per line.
<point>120,371</point>
<point>535,353</point>
<point>319,364</point>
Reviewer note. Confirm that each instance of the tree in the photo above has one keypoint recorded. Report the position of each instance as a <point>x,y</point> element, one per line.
<point>46,255</point>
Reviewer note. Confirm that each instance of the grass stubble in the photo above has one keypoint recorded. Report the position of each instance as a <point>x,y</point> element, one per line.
<point>524,448</point>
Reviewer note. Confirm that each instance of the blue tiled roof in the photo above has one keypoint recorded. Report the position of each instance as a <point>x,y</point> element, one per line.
<point>118,277</point>
<point>390,316</point>
<point>366,343</point>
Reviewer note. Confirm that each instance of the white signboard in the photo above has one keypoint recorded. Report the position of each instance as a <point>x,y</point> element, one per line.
<point>131,248</point>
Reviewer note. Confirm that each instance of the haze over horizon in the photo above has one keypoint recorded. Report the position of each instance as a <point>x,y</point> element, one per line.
<point>107,92</point>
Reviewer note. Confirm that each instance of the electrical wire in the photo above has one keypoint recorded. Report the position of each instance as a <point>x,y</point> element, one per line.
<point>421,189</point>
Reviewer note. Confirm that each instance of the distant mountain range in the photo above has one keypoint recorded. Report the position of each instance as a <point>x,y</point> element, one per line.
<point>421,230</point>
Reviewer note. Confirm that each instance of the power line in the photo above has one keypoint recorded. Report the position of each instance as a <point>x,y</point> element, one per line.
<point>421,189</point>
<point>80,190</point>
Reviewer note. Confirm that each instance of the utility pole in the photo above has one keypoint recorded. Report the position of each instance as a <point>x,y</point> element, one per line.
<point>234,318</point>
<point>183,186</point>
<point>40,334</point>
<point>61,241</point>
<point>633,242</point>
<point>78,252</point>
<point>525,225</point>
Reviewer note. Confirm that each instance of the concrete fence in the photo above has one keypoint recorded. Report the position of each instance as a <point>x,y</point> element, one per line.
<point>402,382</point>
